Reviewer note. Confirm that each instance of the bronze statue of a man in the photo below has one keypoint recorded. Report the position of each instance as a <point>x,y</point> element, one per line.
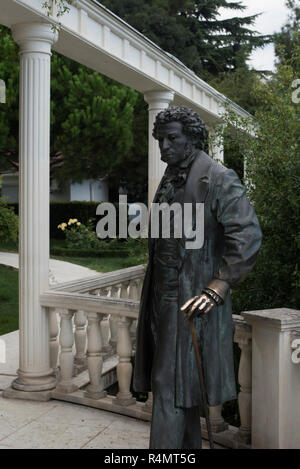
<point>165,362</point>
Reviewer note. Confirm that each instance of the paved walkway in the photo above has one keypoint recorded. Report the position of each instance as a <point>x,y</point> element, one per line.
<point>60,271</point>
<point>61,425</point>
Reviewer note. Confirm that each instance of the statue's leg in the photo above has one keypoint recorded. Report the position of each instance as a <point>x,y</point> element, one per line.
<point>172,427</point>
<point>192,431</point>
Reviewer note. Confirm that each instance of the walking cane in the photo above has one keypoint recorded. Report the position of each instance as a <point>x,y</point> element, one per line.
<point>202,384</point>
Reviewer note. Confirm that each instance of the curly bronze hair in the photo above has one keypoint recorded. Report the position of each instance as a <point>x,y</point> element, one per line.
<point>191,122</point>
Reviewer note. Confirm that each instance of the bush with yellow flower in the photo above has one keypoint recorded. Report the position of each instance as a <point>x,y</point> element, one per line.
<point>78,235</point>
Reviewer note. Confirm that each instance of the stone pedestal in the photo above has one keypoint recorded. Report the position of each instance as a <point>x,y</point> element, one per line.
<point>35,40</point>
<point>275,378</point>
<point>158,101</point>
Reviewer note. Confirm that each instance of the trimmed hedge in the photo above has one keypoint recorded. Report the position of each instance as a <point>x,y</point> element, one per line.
<point>63,211</point>
<point>65,252</point>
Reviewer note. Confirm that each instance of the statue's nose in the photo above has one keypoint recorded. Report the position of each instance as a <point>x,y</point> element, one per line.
<point>165,144</point>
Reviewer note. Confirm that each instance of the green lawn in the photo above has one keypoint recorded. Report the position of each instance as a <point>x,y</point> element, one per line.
<point>104,264</point>
<point>9,318</point>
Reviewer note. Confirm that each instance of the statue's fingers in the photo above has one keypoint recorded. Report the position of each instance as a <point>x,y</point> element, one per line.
<point>188,303</point>
<point>197,304</point>
<point>209,308</point>
<point>204,304</point>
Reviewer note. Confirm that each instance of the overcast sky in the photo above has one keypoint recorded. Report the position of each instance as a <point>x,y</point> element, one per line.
<point>274,15</point>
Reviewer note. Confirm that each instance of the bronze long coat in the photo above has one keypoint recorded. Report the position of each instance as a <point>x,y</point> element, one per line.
<point>232,238</point>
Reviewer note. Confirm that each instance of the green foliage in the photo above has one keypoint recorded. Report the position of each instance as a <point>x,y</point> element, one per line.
<point>138,249</point>
<point>273,183</point>
<point>9,112</point>
<point>238,85</point>
<point>62,7</point>
<point>8,223</point>
<point>60,211</point>
<point>289,36</point>
<point>79,235</point>
<point>98,124</point>
<point>9,292</point>
<point>192,31</point>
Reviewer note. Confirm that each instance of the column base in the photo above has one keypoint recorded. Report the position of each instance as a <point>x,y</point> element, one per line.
<point>41,396</point>
<point>34,383</point>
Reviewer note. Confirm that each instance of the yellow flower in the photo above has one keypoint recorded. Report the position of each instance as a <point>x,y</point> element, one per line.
<point>72,220</point>
<point>78,223</point>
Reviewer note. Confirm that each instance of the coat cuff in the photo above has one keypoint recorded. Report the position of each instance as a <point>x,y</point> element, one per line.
<point>219,287</point>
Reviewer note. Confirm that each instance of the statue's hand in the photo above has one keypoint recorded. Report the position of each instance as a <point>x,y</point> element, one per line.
<point>200,304</point>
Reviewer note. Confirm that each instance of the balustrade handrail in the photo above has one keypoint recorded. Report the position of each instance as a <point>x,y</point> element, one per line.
<point>100,281</point>
<point>98,313</point>
<point>122,307</point>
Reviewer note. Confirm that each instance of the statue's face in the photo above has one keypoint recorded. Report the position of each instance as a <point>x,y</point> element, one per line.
<point>172,142</point>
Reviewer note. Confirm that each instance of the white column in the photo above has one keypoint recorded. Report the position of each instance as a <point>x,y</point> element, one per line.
<point>35,40</point>
<point>275,379</point>
<point>158,101</point>
<point>216,145</point>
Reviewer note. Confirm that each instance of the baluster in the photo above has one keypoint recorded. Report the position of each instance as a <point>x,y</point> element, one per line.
<point>218,424</point>
<point>133,329</point>
<point>149,403</point>
<point>123,290</point>
<point>105,333</point>
<point>133,293</point>
<point>124,367</point>
<point>94,357</point>
<point>112,320</point>
<point>80,338</point>
<point>66,340</point>
<point>244,340</point>
<point>140,287</point>
<point>105,323</point>
<point>54,344</point>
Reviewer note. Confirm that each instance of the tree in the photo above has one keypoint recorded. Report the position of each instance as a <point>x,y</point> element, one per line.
<point>191,31</point>
<point>273,181</point>
<point>289,37</point>
<point>98,126</point>
<point>9,112</point>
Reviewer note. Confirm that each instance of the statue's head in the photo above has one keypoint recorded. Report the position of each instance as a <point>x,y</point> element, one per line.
<point>179,131</point>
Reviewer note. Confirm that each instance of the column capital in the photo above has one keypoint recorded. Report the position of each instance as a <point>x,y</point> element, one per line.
<point>158,100</point>
<point>34,37</point>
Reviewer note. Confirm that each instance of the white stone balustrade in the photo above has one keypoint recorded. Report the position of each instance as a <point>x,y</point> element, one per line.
<point>243,337</point>
<point>95,390</point>
<point>54,345</point>
<point>118,298</point>
<point>80,339</point>
<point>66,358</point>
<point>124,367</point>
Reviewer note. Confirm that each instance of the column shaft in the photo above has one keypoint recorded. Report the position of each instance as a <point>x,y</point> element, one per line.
<point>35,41</point>
<point>158,101</point>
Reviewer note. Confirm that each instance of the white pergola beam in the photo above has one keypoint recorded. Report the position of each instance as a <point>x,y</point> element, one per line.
<point>97,38</point>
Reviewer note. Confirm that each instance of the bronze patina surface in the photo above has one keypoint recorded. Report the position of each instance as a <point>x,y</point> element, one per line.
<point>165,361</point>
